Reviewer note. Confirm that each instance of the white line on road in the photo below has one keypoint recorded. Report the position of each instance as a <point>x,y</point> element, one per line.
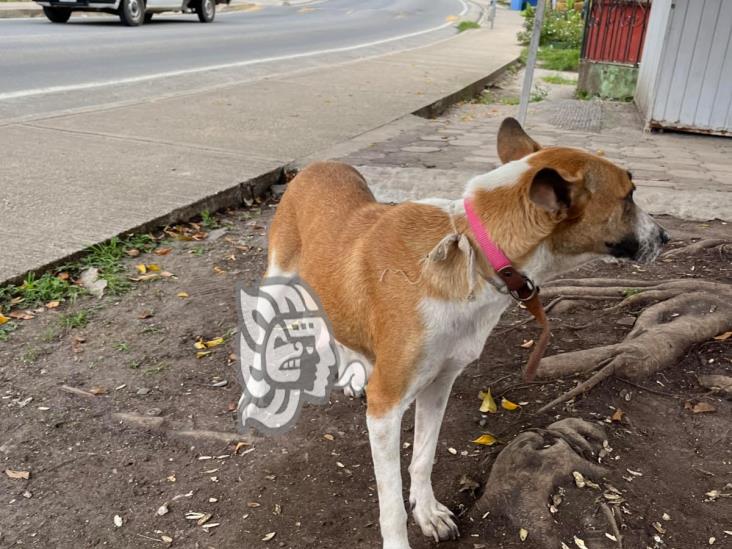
<point>136,79</point>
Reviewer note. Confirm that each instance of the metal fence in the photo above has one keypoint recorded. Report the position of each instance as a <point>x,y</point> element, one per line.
<point>615,30</point>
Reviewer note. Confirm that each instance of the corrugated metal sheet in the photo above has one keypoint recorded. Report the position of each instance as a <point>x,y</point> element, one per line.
<point>685,78</point>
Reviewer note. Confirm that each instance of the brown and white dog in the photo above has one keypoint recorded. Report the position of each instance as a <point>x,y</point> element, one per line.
<point>549,210</point>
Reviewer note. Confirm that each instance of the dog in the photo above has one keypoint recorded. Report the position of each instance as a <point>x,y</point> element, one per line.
<point>418,305</point>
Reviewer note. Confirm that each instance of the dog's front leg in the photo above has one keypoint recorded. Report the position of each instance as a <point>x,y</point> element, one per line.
<point>384,435</point>
<point>435,520</point>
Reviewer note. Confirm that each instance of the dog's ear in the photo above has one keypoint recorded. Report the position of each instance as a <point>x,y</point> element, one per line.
<point>553,192</point>
<point>513,142</point>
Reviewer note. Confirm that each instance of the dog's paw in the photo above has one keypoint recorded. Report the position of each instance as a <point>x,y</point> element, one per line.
<point>435,520</point>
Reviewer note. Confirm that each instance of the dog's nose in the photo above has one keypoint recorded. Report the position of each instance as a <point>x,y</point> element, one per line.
<point>664,237</point>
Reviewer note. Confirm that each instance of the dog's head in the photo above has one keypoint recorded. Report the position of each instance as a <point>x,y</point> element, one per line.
<point>589,199</point>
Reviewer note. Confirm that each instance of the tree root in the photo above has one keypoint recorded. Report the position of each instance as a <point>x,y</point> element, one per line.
<point>661,335</point>
<point>697,248</point>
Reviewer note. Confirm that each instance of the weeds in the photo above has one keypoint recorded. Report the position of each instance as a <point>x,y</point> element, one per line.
<point>559,80</point>
<point>467,25</point>
<point>208,220</point>
<point>6,329</point>
<point>70,321</point>
<point>122,347</point>
<point>559,59</point>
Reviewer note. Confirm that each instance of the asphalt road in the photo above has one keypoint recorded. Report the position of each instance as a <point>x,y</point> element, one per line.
<point>38,58</point>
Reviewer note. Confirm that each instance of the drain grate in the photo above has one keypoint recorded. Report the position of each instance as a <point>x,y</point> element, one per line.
<point>572,114</point>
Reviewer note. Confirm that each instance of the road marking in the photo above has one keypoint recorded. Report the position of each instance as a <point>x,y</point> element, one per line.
<point>169,74</point>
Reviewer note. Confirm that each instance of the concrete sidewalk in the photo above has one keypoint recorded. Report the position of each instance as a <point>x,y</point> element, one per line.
<point>69,181</point>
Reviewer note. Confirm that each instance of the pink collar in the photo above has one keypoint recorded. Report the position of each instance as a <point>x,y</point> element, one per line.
<point>493,253</point>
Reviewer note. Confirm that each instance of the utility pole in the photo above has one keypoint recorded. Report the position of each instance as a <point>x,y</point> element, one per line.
<point>531,61</point>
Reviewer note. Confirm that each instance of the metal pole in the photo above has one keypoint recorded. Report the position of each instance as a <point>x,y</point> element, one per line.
<point>531,61</point>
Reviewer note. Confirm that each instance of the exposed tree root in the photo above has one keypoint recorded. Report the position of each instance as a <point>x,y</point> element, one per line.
<point>690,312</point>
<point>697,247</point>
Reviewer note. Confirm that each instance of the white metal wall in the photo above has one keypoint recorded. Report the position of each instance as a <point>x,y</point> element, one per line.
<point>685,77</point>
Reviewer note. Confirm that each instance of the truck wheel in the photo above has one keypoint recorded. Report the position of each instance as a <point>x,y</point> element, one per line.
<point>206,10</point>
<point>57,15</point>
<point>132,12</point>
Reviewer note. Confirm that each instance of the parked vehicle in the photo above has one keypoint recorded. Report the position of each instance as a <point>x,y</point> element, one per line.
<point>131,12</point>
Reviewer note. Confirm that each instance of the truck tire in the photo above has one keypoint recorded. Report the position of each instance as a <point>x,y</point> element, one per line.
<point>206,10</point>
<point>132,12</point>
<point>57,15</point>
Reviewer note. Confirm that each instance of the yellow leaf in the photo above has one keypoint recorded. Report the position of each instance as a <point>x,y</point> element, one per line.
<point>199,344</point>
<point>214,342</point>
<point>201,354</point>
<point>508,405</point>
<point>486,440</point>
<point>182,295</point>
<point>488,405</point>
<point>3,319</point>
<point>141,268</point>
<point>153,267</point>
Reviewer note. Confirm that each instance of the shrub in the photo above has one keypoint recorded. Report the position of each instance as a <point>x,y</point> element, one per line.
<point>561,29</point>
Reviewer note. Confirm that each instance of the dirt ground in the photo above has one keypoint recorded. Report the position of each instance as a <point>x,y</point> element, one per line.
<point>136,355</point>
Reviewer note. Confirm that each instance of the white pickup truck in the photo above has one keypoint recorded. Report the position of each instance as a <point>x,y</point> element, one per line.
<point>131,12</point>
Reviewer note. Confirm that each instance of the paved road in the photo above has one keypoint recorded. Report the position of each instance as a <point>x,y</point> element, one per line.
<point>97,53</point>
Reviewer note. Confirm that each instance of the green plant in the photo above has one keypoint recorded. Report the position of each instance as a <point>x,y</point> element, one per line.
<point>122,346</point>
<point>36,291</point>
<point>559,80</point>
<point>208,220</point>
<point>558,59</point>
<point>30,355</point>
<point>6,329</point>
<point>561,29</point>
<point>467,25</point>
<point>70,321</point>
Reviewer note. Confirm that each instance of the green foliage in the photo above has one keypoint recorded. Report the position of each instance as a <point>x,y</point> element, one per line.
<point>70,321</point>
<point>559,80</point>
<point>6,329</point>
<point>467,25</point>
<point>559,59</point>
<point>208,220</point>
<point>37,291</point>
<point>561,29</point>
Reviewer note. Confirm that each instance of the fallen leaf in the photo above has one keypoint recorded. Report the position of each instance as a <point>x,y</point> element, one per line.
<point>488,404</point>
<point>328,436</point>
<point>166,274</point>
<point>579,543</point>
<point>63,276</point>
<point>723,337</point>
<point>52,304</point>
<point>269,536</point>
<point>219,270</point>
<point>201,354</point>
<point>508,405</point>
<point>98,391</point>
<point>238,446</point>
<point>523,534</point>
<point>199,344</point>
<point>21,315</point>
<point>182,295</point>
<point>702,408</point>
<point>214,342</point>
<point>145,278</point>
<point>527,344</point>
<point>141,268</point>
<point>90,280</point>
<point>162,251</point>
<point>3,319</point>
<point>133,252</point>
<point>25,475</point>
<point>617,416</point>
<point>153,267</point>
<point>486,440</point>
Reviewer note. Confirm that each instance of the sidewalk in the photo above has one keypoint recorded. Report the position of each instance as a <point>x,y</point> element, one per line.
<point>684,175</point>
<point>79,179</point>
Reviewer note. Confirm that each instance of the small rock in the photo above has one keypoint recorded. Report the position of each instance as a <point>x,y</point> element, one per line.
<point>216,234</point>
<point>142,391</point>
<point>153,412</point>
<point>626,321</point>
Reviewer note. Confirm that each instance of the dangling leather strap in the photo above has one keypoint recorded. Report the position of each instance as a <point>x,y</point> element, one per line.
<point>519,286</point>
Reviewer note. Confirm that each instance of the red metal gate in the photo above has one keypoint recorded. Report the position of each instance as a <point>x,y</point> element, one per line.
<point>614,30</point>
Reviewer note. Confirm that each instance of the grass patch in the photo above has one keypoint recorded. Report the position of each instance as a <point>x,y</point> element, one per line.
<point>557,59</point>
<point>70,321</point>
<point>467,25</point>
<point>36,291</point>
<point>559,80</point>
<point>539,93</point>
<point>208,220</point>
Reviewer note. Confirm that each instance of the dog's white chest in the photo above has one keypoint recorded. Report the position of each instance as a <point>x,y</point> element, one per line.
<point>456,331</point>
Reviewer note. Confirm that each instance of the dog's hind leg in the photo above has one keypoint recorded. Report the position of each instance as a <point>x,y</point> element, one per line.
<point>435,520</point>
